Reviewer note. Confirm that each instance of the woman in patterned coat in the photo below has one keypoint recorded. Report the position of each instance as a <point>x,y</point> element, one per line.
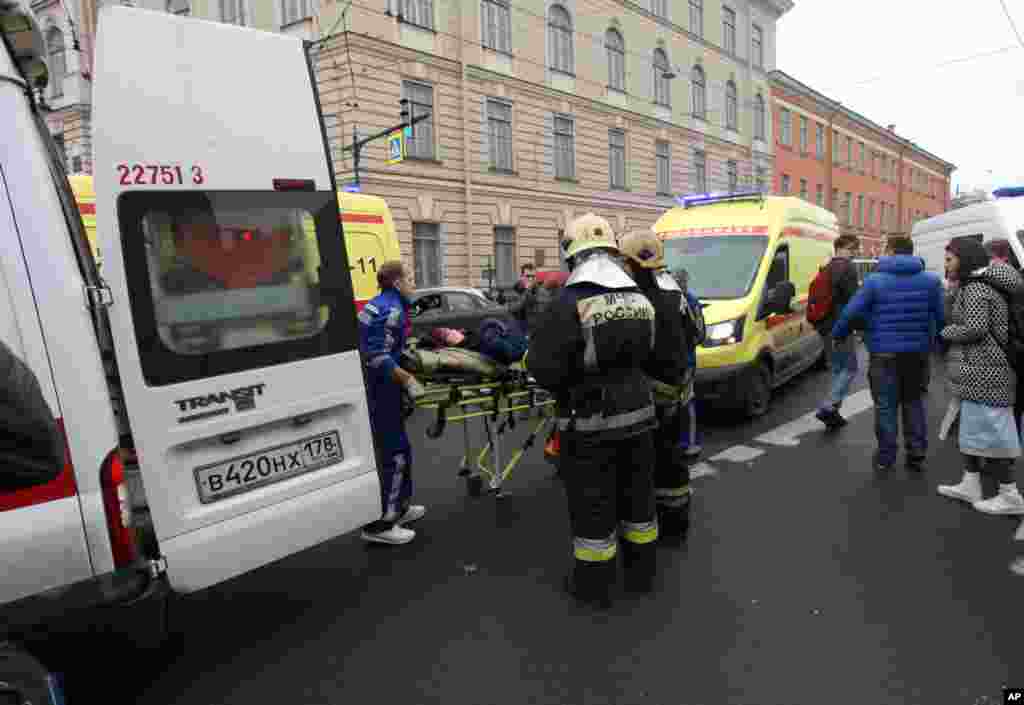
<point>982,381</point>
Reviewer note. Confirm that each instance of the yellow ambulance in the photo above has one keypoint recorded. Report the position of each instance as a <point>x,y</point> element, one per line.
<point>370,237</point>
<point>750,259</point>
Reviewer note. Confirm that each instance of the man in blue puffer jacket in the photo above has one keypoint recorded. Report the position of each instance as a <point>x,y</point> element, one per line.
<point>901,306</point>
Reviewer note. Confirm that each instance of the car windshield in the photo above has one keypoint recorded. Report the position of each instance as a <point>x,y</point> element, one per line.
<point>717,266</point>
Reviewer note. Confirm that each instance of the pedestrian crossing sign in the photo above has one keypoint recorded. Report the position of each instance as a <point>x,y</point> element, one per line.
<point>396,147</point>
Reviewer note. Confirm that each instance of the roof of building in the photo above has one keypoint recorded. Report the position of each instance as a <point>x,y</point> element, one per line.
<point>784,79</point>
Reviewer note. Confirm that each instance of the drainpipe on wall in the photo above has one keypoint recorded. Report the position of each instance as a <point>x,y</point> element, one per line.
<point>467,175</point>
<point>829,161</point>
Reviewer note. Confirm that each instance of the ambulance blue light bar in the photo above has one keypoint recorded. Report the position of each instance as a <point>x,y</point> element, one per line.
<point>703,199</point>
<point>1009,192</point>
<point>351,188</point>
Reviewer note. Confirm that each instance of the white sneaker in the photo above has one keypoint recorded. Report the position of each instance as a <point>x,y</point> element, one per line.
<point>1017,566</point>
<point>969,489</point>
<point>414,512</point>
<point>1006,502</point>
<point>395,536</point>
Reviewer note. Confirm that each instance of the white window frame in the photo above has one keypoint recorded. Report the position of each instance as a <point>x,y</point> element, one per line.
<point>616,167</point>
<point>504,255</point>
<point>728,30</point>
<point>565,147</point>
<point>663,166</point>
<point>699,92</point>
<point>760,125</point>
<point>700,171</point>
<point>732,169</point>
<point>420,240</point>
<point>57,60</point>
<point>804,134</point>
<point>757,45</point>
<point>496,25</point>
<point>419,13</point>
<point>615,47</point>
<point>784,184</point>
<point>241,18</point>
<point>560,40</point>
<point>819,140</point>
<point>499,135</point>
<point>659,8</point>
<point>697,17</point>
<point>785,127</point>
<point>662,85</point>
<point>421,145</point>
<point>732,108</point>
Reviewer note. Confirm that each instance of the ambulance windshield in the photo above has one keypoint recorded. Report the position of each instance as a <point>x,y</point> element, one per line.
<point>718,266</point>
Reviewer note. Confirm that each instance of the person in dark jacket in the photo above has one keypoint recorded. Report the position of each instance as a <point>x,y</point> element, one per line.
<point>983,382</point>
<point>667,369</point>
<point>901,307</point>
<point>383,329</point>
<point>590,350</point>
<point>843,357</point>
<point>31,447</point>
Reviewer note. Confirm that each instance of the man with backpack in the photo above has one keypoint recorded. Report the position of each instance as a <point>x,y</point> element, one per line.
<point>830,291</point>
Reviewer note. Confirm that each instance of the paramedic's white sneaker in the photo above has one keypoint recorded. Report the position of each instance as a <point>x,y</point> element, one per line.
<point>969,489</point>
<point>1008,501</point>
<point>414,512</point>
<point>395,536</point>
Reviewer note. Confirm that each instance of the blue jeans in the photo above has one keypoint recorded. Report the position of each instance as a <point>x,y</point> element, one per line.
<point>898,383</point>
<point>844,370</point>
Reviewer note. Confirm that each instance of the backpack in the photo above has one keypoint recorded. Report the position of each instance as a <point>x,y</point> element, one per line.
<point>819,296</point>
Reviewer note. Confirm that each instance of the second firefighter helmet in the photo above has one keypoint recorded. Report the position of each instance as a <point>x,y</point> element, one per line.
<point>587,232</point>
<point>644,248</point>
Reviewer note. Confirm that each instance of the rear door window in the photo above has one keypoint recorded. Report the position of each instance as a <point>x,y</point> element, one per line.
<point>222,282</point>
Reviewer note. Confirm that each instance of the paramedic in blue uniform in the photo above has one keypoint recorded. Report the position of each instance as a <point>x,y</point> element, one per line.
<point>590,349</point>
<point>383,329</point>
<point>668,370</point>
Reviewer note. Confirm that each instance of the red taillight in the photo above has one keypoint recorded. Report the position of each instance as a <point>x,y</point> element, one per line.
<point>117,506</point>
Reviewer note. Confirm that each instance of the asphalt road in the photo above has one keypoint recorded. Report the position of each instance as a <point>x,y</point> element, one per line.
<point>808,578</point>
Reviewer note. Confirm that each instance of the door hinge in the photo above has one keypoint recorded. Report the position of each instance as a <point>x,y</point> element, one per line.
<point>157,567</point>
<point>99,296</point>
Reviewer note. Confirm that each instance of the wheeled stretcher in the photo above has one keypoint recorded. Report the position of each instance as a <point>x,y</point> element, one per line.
<point>497,402</point>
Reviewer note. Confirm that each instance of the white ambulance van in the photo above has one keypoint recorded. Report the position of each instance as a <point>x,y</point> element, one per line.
<point>1001,218</point>
<point>209,387</point>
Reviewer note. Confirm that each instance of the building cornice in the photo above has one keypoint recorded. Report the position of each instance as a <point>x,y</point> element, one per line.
<point>779,7</point>
<point>787,82</point>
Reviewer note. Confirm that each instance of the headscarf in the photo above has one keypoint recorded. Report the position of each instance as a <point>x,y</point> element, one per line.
<point>972,256</point>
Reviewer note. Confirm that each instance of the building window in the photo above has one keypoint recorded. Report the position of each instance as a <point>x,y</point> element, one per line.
<point>499,132</point>
<point>861,155</point>
<point>848,207</point>
<point>294,10</point>
<point>560,29</point>
<point>759,178</point>
<point>76,165</point>
<point>757,46</point>
<point>565,148</point>
<point>697,17</point>
<point>659,8</point>
<point>426,249</point>
<point>417,12</point>
<point>803,189</point>
<point>849,153</point>
<point>784,185</point>
<point>731,106</point>
<point>662,88</point>
<point>733,171</point>
<point>759,117</point>
<point>834,205</point>
<point>663,159</point>
<point>232,11</point>
<point>885,165</point>
<point>729,30</point>
<point>58,61</point>
<point>180,8</point>
<point>819,141</point>
<point>819,195</point>
<point>616,59</point>
<point>871,214</point>
<point>785,127</point>
<point>699,90</point>
<point>421,102</point>
<point>859,220</point>
<point>617,159</point>
<point>881,216</point>
<point>803,135</point>
<point>497,25</point>
<point>700,171</point>
<point>504,255</point>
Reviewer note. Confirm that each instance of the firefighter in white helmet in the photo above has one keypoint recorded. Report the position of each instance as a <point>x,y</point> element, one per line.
<point>590,349</point>
<point>669,372</point>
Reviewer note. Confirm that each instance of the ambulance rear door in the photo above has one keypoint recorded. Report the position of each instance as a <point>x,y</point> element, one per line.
<point>236,339</point>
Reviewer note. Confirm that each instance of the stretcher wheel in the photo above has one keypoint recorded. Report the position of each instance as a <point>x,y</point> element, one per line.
<point>435,429</point>
<point>475,485</point>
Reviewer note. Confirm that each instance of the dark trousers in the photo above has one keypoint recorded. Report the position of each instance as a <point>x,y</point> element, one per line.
<point>1001,469</point>
<point>395,471</point>
<point>898,383</point>
<point>610,490</point>
<point>671,472</point>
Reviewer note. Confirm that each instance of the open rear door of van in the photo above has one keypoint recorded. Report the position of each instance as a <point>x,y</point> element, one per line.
<point>236,338</point>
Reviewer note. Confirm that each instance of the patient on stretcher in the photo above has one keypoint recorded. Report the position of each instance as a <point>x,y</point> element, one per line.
<point>486,353</point>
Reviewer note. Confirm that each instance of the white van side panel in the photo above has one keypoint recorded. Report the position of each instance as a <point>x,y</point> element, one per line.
<point>993,220</point>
